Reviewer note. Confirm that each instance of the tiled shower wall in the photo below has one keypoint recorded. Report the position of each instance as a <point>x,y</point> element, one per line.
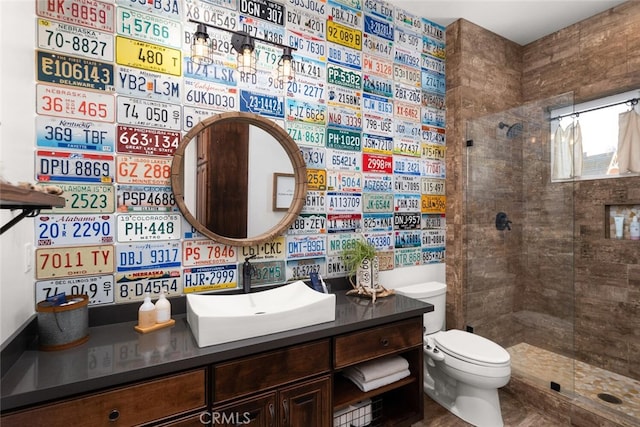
<point>566,284</point>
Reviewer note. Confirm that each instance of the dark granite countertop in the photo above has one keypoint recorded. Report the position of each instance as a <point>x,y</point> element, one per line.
<point>116,354</point>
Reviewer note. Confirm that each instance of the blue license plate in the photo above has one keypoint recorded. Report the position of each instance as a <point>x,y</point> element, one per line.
<point>378,28</point>
<point>263,104</point>
<point>75,134</point>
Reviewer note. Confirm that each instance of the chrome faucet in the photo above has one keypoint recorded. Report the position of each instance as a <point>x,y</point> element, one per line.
<point>247,271</point>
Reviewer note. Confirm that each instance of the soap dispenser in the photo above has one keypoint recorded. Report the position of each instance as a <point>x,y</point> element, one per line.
<point>147,313</point>
<point>163,308</point>
<point>634,228</point>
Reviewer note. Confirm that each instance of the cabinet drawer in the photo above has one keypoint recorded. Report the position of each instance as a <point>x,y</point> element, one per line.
<point>127,406</point>
<point>255,373</point>
<point>371,343</point>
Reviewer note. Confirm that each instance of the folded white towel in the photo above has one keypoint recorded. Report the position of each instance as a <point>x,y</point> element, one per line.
<point>378,368</point>
<point>379,382</point>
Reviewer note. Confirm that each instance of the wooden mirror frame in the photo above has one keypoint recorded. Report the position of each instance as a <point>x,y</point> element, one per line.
<point>289,146</point>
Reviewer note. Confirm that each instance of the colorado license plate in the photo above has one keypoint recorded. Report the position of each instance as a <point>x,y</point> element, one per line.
<point>309,223</point>
<point>200,279</point>
<point>344,140</point>
<point>133,286</point>
<point>75,134</point>
<point>74,229</point>
<point>75,40</point>
<point>149,27</point>
<point>94,14</point>
<point>74,103</point>
<point>375,202</point>
<point>66,261</point>
<point>314,157</point>
<point>145,198</point>
<point>99,289</point>
<point>144,170</point>
<point>78,167</point>
<point>147,256</point>
<point>148,227</point>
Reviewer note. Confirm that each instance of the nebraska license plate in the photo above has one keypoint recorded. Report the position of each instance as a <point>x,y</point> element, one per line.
<point>60,101</point>
<point>145,198</point>
<point>86,198</point>
<point>147,256</point>
<point>148,227</point>
<point>153,142</point>
<point>75,40</point>
<point>67,261</point>
<point>134,285</point>
<point>93,14</point>
<point>99,289</point>
<point>78,167</point>
<point>210,278</point>
<point>144,170</point>
<point>74,229</point>
<point>68,134</point>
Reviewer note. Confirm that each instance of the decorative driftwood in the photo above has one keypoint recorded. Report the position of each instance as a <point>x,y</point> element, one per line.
<point>376,292</point>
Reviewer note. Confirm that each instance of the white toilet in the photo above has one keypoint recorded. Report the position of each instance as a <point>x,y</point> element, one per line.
<point>463,371</point>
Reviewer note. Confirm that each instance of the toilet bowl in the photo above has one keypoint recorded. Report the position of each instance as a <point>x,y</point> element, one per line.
<point>463,371</point>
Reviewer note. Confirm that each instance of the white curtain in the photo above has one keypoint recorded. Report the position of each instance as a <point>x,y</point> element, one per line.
<point>567,152</point>
<point>629,142</point>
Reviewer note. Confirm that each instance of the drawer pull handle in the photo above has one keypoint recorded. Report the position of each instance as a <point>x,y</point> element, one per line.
<point>114,415</point>
<point>285,412</point>
<point>384,342</point>
<point>272,414</point>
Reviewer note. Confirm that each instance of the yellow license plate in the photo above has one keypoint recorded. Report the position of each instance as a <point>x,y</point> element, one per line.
<point>74,261</point>
<point>316,179</point>
<point>435,152</point>
<point>343,35</point>
<point>148,56</point>
<point>433,204</point>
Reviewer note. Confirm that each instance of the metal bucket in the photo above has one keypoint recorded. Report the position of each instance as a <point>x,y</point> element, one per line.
<point>63,326</point>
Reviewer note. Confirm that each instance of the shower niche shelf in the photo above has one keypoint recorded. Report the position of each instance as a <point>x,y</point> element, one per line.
<point>628,210</point>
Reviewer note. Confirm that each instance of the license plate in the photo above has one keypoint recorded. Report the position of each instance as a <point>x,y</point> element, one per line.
<point>272,250</point>
<point>314,157</point>
<point>373,45</point>
<point>152,28</point>
<point>433,151</point>
<point>262,81</point>
<point>267,273</point>
<point>433,168</point>
<point>261,29</point>
<point>316,179</point>
<point>377,182</point>
<point>133,286</point>
<point>147,141</point>
<point>380,9</point>
<point>207,252</point>
<point>434,221</point>
<point>433,82</point>
<point>147,256</point>
<point>78,167</point>
<point>377,85</point>
<point>407,57</point>
<point>99,289</point>
<point>408,39</point>
<point>406,165</point>
<point>407,93</point>
<point>433,47</point>
<point>432,186</point>
<point>228,4</point>
<point>86,198</point>
<point>306,246</point>
<point>343,35</point>
<point>381,240</point>
<point>377,144</point>
<point>344,160</point>
<point>407,129</point>
<point>403,18</point>
<point>71,71</point>
<point>433,238</point>
<point>342,96</point>
<point>148,84</point>
<point>307,89</point>
<point>306,44</point>
<point>432,30</point>
<point>207,95</point>
<point>433,135</point>
<point>298,269</point>
<point>74,229</point>
<point>376,202</point>
<point>433,100</point>
<point>94,14</point>
<point>338,242</point>
<point>408,239</point>
<point>314,202</point>
<point>317,6</point>
<point>432,64</point>
<point>262,104</point>
<point>75,40</point>
<point>407,257</point>
<point>433,203</point>
<point>306,133</point>
<point>191,116</point>
<point>148,113</point>
<point>342,77</point>
<point>406,147</point>
<point>148,227</point>
<point>344,56</point>
<point>433,116</point>
<point>306,112</point>
<point>75,134</point>
<point>335,266</point>
<point>344,14</point>
<point>344,223</point>
<point>148,56</point>
<point>214,73</point>
<point>406,203</point>
<point>344,140</point>
<point>378,124</point>
<point>433,255</point>
<point>169,8</point>
<point>407,111</point>
<point>310,67</point>
<point>144,170</point>
<point>407,76</point>
<point>406,184</point>
<point>145,198</point>
<point>373,104</point>
<point>200,279</point>
<point>383,29</point>
<point>406,220</point>
<point>305,21</point>
<point>377,163</point>
<point>66,261</point>
<point>378,222</point>
<point>345,118</point>
<point>344,181</point>
<point>344,202</point>
<point>378,66</point>
<point>310,223</point>
<point>74,103</point>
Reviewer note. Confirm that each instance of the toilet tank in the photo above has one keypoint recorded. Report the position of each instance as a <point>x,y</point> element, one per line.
<point>434,293</point>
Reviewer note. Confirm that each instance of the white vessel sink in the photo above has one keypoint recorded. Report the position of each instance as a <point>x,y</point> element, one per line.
<point>216,319</point>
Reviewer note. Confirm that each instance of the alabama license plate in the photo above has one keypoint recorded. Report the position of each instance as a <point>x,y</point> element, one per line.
<point>306,133</point>
<point>433,203</point>
<point>267,273</point>
<point>145,198</point>
<point>75,40</point>
<point>344,223</point>
<point>74,167</point>
<point>344,56</point>
<point>66,261</point>
<point>432,186</point>
<point>68,134</point>
<point>406,165</point>
<point>406,184</point>
<point>148,27</point>
<point>210,278</point>
<point>191,116</point>
<point>60,101</point>
<point>147,256</point>
<point>376,202</point>
<point>308,223</point>
<point>148,227</point>
<point>74,229</point>
<point>148,56</point>
<point>99,289</point>
<point>94,14</point>
<point>271,250</point>
<point>377,183</point>
<point>204,94</point>
<point>133,286</point>
<point>433,238</point>
<point>148,84</point>
<point>344,160</point>
<point>377,144</point>
<point>148,113</point>
<point>314,202</point>
<point>343,35</point>
<point>86,198</point>
<point>377,222</point>
<point>344,202</point>
<point>207,252</point>
<point>406,203</point>
<point>377,163</point>
<point>72,71</point>
<point>406,220</point>
<point>169,8</point>
<point>434,221</point>
<point>306,112</point>
<point>433,255</point>
<point>147,141</point>
<point>262,103</point>
<point>298,269</point>
<point>144,170</point>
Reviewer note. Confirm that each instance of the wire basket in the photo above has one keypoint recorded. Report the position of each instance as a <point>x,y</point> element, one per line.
<point>367,413</point>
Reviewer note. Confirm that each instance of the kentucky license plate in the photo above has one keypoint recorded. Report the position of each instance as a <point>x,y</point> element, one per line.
<point>200,279</point>
<point>133,286</point>
<point>74,103</point>
<point>86,198</point>
<point>93,14</point>
<point>74,229</point>
<point>75,134</point>
<point>148,227</point>
<point>99,289</point>
<point>145,198</point>
<point>149,27</point>
<point>148,56</point>
<point>147,256</point>
<point>207,252</point>
<point>147,141</point>
<point>75,40</point>
<point>144,170</point>
<point>67,261</point>
<point>78,167</point>
<point>71,71</point>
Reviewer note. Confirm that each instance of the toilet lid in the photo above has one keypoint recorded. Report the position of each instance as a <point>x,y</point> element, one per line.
<point>471,348</point>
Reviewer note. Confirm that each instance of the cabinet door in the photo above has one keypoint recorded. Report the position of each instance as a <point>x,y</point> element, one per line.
<point>306,404</point>
<point>259,411</point>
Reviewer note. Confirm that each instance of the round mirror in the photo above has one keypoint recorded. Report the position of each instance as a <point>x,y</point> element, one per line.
<point>239,179</point>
